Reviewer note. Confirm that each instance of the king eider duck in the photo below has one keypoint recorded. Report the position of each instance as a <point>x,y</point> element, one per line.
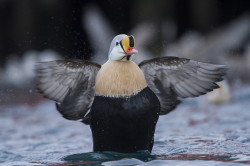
<point>120,100</point>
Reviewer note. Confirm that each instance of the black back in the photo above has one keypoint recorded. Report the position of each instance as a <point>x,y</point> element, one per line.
<point>124,124</point>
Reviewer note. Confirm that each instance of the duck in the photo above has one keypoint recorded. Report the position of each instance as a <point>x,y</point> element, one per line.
<point>122,100</point>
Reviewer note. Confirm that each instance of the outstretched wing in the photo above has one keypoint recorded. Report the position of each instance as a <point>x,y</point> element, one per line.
<point>173,77</point>
<point>70,83</point>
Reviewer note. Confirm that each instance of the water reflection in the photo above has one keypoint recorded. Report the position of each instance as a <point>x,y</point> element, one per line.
<point>145,158</point>
<point>95,158</point>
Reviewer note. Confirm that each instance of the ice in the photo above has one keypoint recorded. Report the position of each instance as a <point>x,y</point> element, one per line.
<point>123,162</point>
<point>189,163</point>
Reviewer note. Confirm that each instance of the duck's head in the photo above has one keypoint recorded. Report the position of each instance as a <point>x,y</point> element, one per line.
<point>122,48</point>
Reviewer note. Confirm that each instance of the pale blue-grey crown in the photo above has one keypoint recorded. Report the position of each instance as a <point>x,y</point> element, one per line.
<point>117,38</point>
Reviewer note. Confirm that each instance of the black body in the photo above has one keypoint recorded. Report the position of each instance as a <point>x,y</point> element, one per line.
<point>124,124</point>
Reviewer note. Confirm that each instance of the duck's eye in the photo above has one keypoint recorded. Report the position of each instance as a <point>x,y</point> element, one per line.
<point>116,43</point>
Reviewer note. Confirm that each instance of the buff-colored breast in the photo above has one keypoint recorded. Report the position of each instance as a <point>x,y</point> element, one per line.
<point>119,78</point>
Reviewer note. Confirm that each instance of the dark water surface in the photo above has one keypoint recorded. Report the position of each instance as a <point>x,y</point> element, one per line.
<point>196,133</point>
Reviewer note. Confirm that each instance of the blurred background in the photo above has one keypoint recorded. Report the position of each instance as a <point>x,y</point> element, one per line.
<point>214,31</point>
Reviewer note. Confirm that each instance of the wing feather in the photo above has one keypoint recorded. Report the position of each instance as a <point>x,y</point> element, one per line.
<point>172,78</point>
<point>70,83</point>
